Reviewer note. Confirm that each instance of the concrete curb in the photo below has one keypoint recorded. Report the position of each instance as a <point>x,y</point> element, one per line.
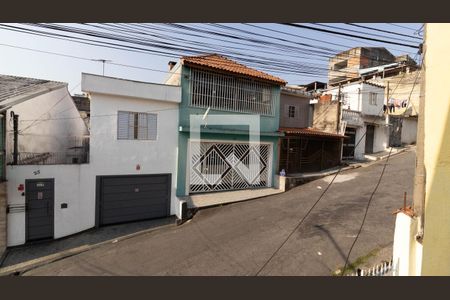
<point>23,267</point>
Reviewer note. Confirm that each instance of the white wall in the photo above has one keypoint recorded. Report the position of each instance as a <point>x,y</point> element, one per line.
<point>70,183</point>
<point>381,138</point>
<point>409,131</point>
<point>75,184</point>
<point>59,122</point>
<point>355,96</point>
<point>109,156</point>
<point>359,150</point>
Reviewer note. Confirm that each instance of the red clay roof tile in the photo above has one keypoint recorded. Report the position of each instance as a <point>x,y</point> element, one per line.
<point>219,62</point>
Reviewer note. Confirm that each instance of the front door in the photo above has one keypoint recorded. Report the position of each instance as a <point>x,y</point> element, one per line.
<point>370,133</point>
<point>39,201</point>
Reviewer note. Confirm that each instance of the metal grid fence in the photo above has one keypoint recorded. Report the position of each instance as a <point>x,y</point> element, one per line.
<point>223,92</point>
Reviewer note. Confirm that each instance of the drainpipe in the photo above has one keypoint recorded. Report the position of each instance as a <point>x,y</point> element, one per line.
<point>420,172</point>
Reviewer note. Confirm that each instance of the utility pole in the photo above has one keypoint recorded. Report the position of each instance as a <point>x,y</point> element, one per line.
<point>16,137</point>
<point>339,110</point>
<point>420,172</point>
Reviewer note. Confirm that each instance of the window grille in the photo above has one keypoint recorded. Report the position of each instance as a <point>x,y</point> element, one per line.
<point>224,92</point>
<point>291,111</point>
<point>373,98</point>
<point>136,126</point>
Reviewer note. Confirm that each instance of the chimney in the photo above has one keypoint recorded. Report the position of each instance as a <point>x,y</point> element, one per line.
<point>171,65</point>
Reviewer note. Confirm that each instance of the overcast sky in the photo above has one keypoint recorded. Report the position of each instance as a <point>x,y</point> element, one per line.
<point>27,63</point>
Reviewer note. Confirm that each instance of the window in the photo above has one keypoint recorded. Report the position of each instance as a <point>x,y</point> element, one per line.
<point>136,126</point>
<point>230,93</point>
<point>291,111</point>
<point>373,98</point>
<point>340,65</point>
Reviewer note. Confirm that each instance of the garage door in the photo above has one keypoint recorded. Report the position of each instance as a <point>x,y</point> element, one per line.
<point>133,198</point>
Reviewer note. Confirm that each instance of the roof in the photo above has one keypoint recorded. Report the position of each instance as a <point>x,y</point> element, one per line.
<point>219,62</point>
<point>310,132</point>
<point>14,90</point>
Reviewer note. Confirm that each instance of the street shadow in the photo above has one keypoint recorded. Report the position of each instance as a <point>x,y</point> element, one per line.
<point>333,241</point>
<point>92,236</point>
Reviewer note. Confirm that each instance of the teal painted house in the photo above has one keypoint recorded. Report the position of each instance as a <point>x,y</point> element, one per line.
<point>216,156</point>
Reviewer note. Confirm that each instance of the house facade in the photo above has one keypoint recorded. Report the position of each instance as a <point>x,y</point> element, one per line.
<point>44,137</point>
<point>225,108</point>
<point>305,148</point>
<point>362,114</point>
<point>123,169</point>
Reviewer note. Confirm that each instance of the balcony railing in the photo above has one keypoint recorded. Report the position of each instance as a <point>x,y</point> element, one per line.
<point>352,117</point>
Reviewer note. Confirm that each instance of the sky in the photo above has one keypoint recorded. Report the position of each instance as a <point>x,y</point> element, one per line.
<point>20,62</point>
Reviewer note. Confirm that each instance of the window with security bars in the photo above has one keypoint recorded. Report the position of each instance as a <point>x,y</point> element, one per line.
<point>291,111</point>
<point>373,98</point>
<point>136,126</point>
<point>229,93</point>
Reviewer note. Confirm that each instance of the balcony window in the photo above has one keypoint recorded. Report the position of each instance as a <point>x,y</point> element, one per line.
<point>230,93</point>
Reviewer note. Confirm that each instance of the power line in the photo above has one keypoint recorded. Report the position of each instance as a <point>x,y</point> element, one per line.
<point>374,191</point>
<point>385,31</point>
<point>351,35</point>
<point>366,211</point>
<point>317,201</point>
<point>362,32</point>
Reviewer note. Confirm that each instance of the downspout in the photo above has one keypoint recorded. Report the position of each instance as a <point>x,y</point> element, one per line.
<point>420,172</point>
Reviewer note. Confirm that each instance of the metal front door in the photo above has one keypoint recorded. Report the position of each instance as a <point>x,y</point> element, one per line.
<point>370,133</point>
<point>39,202</point>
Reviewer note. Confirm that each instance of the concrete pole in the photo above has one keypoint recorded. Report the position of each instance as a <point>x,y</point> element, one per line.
<point>420,172</point>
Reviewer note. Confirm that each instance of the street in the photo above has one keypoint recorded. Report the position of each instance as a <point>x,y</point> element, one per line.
<point>239,238</point>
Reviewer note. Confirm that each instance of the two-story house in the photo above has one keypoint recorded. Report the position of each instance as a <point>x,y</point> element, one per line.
<point>228,125</point>
<point>309,143</point>
<point>362,114</point>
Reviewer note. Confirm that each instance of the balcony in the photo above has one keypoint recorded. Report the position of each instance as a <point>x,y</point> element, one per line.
<point>352,117</point>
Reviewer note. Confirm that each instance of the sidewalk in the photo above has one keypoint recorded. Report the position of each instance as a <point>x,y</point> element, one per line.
<point>44,251</point>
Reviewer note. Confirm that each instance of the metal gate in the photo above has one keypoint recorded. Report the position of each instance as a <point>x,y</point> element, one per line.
<point>228,166</point>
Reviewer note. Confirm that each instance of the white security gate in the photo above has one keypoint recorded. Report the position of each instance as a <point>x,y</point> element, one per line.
<point>221,166</point>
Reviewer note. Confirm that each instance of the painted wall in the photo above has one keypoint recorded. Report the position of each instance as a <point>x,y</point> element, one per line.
<point>3,222</point>
<point>302,110</point>
<point>409,131</point>
<point>269,126</point>
<point>325,116</point>
<point>355,96</point>
<point>72,186</point>
<point>436,242</point>
<point>153,156</point>
<point>59,123</point>
<point>75,184</point>
<point>381,138</point>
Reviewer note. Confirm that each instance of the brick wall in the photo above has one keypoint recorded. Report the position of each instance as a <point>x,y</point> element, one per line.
<point>326,114</point>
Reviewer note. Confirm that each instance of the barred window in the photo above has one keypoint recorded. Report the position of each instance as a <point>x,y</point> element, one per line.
<point>136,126</point>
<point>224,92</point>
<point>373,98</point>
<point>291,112</point>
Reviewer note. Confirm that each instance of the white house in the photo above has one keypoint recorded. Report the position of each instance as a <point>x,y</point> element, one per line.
<point>363,115</point>
<point>45,136</point>
<point>124,171</point>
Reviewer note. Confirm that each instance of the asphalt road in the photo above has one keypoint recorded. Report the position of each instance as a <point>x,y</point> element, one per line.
<point>239,238</point>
